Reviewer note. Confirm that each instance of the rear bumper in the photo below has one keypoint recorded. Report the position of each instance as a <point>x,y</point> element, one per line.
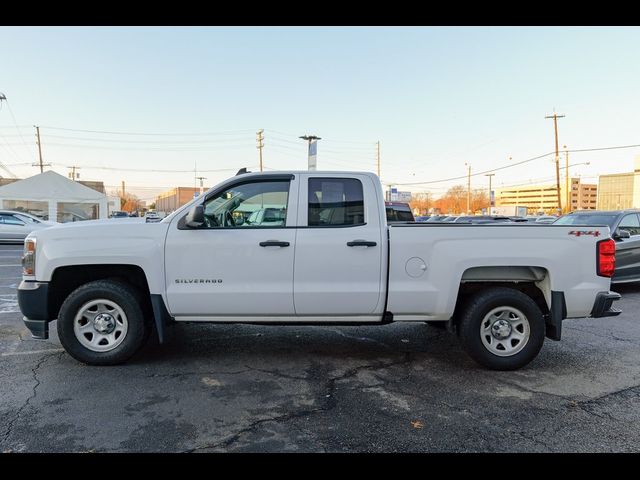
<point>33,298</point>
<point>602,307</point>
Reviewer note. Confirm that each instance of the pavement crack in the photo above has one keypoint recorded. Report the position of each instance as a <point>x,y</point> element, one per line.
<point>34,393</point>
<point>276,373</point>
<point>621,391</point>
<point>608,336</point>
<point>198,372</point>
<point>328,404</point>
<point>531,390</point>
<point>353,337</point>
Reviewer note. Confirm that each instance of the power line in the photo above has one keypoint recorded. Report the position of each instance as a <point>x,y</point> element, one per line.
<point>141,149</point>
<point>202,134</point>
<point>158,142</point>
<point>145,170</point>
<point>13,117</point>
<point>478,173</point>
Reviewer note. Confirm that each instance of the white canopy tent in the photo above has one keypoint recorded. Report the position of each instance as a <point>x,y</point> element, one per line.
<point>53,196</point>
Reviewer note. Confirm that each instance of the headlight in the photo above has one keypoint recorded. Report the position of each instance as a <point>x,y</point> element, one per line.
<point>29,257</point>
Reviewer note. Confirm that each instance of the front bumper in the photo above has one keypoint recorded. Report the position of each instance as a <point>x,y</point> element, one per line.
<point>33,298</point>
<point>602,306</point>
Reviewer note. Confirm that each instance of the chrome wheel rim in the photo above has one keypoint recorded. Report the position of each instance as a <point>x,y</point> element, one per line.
<point>505,331</point>
<point>100,325</point>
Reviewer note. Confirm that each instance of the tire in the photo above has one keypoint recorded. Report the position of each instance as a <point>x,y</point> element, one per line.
<point>124,329</point>
<point>502,328</point>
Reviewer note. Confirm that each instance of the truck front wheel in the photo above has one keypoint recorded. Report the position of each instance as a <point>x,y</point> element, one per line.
<point>102,323</point>
<point>502,328</point>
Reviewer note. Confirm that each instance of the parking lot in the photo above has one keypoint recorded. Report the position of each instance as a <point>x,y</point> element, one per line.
<point>403,387</point>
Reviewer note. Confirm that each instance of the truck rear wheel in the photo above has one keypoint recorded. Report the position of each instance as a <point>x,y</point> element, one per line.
<point>502,328</point>
<point>102,323</point>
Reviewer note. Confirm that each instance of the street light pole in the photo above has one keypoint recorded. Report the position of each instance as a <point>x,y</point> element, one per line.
<point>313,150</point>
<point>201,186</point>
<point>489,175</point>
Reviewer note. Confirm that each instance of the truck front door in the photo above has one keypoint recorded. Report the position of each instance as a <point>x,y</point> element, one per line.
<point>240,262</point>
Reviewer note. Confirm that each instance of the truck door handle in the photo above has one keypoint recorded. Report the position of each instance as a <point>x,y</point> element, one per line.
<point>361,243</point>
<point>274,243</point>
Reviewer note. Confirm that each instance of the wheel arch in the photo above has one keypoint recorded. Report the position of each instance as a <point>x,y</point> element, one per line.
<point>533,281</point>
<point>66,279</point>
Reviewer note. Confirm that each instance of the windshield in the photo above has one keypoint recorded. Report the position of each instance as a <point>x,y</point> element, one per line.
<point>586,219</point>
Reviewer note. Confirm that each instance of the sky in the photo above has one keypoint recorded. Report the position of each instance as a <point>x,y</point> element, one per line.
<point>436,98</point>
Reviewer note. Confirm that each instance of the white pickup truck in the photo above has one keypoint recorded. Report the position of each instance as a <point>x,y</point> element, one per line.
<point>320,252</point>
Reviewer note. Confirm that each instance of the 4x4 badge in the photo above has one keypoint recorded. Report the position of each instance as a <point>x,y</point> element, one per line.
<point>578,233</point>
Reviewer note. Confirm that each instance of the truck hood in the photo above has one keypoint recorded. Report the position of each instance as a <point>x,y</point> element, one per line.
<point>102,230</point>
<point>104,242</point>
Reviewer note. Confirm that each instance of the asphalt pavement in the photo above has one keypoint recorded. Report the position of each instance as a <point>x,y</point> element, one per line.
<point>393,388</point>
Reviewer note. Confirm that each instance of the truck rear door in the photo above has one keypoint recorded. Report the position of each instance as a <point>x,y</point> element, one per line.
<point>339,247</point>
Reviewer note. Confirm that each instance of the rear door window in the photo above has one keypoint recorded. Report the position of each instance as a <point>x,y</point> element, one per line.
<point>335,202</point>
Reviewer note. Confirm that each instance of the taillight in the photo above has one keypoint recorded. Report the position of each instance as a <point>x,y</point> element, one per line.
<point>606,255</point>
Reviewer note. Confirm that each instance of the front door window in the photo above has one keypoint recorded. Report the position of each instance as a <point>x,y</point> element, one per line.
<point>254,204</point>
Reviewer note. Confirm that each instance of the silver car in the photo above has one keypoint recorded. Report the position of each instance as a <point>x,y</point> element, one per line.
<point>15,226</point>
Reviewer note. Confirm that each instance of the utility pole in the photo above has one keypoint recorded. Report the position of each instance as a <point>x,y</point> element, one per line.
<point>201,187</point>
<point>40,164</point>
<point>489,175</point>
<point>566,173</point>
<point>313,150</point>
<point>73,174</point>
<point>555,117</point>
<point>259,140</point>
<point>378,157</point>
<point>468,189</point>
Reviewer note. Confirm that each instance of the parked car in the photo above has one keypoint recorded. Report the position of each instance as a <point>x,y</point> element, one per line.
<point>436,218</point>
<point>398,212</point>
<point>15,226</point>
<point>422,218</point>
<point>625,230</point>
<point>118,214</point>
<point>152,216</point>
<point>335,260</point>
<point>485,219</point>
<point>546,219</point>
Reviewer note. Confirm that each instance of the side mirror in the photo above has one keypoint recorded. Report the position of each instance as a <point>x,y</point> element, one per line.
<point>195,217</point>
<point>620,234</point>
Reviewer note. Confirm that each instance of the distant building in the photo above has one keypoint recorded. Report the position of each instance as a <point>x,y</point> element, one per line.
<point>544,198</point>
<point>97,186</point>
<point>584,196</point>
<point>620,190</point>
<point>176,197</point>
<point>113,204</point>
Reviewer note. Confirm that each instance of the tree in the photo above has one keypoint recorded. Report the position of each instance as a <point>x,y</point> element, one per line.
<point>422,202</point>
<point>454,201</point>
<point>129,202</point>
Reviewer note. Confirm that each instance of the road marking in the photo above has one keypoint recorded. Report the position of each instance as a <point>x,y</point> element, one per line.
<point>9,303</point>
<point>10,354</point>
